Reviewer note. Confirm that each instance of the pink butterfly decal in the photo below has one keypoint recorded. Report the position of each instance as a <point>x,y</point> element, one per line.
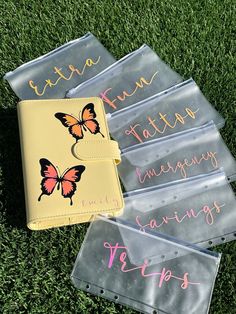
<point>67,181</point>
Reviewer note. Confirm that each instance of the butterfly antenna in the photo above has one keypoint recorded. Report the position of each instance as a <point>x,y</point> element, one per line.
<point>64,172</point>
<point>71,202</point>
<point>58,171</point>
<point>39,198</point>
<point>101,134</point>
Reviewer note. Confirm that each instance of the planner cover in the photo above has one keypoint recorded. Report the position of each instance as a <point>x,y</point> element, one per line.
<point>69,162</point>
<point>151,274</point>
<point>54,73</point>
<point>133,78</point>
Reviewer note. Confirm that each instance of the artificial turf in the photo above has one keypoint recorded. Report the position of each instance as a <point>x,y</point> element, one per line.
<point>195,37</point>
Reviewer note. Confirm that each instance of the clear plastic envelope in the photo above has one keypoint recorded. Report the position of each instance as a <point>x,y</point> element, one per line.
<point>53,74</point>
<point>179,108</point>
<point>168,276</point>
<point>182,155</point>
<point>200,210</point>
<point>135,77</point>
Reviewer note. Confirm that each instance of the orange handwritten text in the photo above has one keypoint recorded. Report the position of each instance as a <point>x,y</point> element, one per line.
<point>49,83</point>
<point>142,134</point>
<point>164,275</point>
<point>207,211</point>
<point>141,83</point>
<point>180,166</point>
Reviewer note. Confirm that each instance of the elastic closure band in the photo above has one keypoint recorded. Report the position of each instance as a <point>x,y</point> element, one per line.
<point>97,150</point>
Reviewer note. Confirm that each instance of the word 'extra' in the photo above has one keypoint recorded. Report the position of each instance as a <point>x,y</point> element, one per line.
<point>49,83</point>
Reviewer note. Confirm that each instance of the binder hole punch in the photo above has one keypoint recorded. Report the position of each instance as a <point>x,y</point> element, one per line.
<point>116,297</point>
<point>223,239</point>
<point>163,256</point>
<point>102,291</point>
<point>176,252</point>
<point>235,234</point>
<point>154,312</point>
<point>87,286</point>
<point>210,242</point>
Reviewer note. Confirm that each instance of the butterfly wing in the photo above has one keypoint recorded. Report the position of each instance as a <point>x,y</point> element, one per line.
<point>71,123</point>
<point>88,112</point>
<point>68,181</point>
<point>92,126</point>
<point>76,131</point>
<point>66,119</point>
<point>88,119</point>
<point>50,177</point>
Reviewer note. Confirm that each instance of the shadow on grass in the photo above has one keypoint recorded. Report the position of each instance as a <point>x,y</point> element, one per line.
<point>12,195</point>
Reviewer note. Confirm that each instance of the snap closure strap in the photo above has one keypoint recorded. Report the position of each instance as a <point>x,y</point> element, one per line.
<point>97,150</point>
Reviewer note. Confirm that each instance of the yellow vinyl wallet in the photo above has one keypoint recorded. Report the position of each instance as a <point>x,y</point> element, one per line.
<point>69,162</point>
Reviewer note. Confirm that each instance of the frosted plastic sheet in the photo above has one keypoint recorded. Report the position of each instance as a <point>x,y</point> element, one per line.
<point>181,284</point>
<point>200,210</point>
<point>179,108</point>
<point>54,73</point>
<point>133,78</point>
<point>186,154</point>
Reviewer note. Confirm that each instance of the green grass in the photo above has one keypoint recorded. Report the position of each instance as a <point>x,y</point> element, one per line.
<point>194,36</point>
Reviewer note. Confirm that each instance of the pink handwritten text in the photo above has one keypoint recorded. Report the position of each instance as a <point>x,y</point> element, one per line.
<point>191,213</point>
<point>180,166</point>
<point>164,275</point>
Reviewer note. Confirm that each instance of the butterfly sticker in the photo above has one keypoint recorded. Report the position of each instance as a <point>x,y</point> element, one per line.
<point>66,180</point>
<point>85,122</point>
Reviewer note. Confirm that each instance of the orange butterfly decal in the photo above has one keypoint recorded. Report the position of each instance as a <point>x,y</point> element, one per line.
<point>66,180</point>
<point>85,122</point>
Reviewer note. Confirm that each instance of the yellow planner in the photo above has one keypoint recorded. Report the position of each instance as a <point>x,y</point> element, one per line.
<point>69,162</point>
